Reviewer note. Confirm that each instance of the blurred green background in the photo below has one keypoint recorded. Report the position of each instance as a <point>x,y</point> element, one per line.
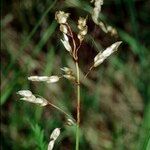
<point>115,111</point>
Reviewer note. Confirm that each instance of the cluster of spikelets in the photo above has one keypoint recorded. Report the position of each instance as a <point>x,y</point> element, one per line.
<point>68,38</point>
<point>95,16</point>
<point>72,47</point>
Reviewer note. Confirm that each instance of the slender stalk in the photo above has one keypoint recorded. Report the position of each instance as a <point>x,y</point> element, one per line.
<point>78,106</point>
<point>61,110</point>
<point>88,72</point>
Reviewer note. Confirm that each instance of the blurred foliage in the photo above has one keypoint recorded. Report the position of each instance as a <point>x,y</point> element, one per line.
<point>115,98</point>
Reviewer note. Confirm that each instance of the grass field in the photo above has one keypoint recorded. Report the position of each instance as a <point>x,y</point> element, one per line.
<point>115,98</point>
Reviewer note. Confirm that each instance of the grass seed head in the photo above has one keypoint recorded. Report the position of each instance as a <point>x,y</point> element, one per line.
<point>51,145</point>
<point>66,45</point>
<point>63,28</point>
<point>29,97</point>
<point>69,77</point>
<point>53,79</point>
<point>61,17</point>
<point>55,134</point>
<point>25,93</point>
<point>38,78</point>
<point>101,56</point>
<point>83,28</point>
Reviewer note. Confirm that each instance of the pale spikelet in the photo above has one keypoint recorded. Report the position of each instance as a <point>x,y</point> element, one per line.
<point>103,26</point>
<point>51,145</point>
<point>112,30</point>
<point>33,99</point>
<point>80,37</point>
<point>67,70</point>
<point>66,43</point>
<point>66,37</point>
<point>61,17</point>
<point>25,93</point>
<point>82,28</point>
<point>101,56</point>
<point>29,97</point>
<point>47,79</point>
<point>81,23</point>
<point>97,9</point>
<point>53,79</point>
<point>55,134</point>
<point>70,122</point>
<point>53,137</point>
<point>63,28</point>
<point>41,101</point>
<point>69,77</point>
<point>38,78</point>
<point>68,74</point>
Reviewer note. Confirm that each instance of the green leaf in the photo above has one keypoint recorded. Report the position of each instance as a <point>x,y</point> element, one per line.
<point>39,137</point>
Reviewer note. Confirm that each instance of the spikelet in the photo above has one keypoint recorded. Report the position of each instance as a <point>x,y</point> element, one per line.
<point>53,137</point>
<point>101,56</point>
<point>67,70</point>
<point>82,28</point>
<point>63,28</point>
<point>25,93</point>
<point>55,134</point>
<point>69,77</point>
<point>66,45</point>
<point>51,145</point>
<point>61,17</point>
<point>70,122</point>
<point>29,97</point>
<point>38,78</point>
<point>51,79</point>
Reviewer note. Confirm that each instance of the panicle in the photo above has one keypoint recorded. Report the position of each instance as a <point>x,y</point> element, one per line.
<point>61,18</point>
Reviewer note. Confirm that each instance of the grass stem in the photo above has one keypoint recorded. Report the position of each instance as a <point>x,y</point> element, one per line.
<point>78,106</point>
